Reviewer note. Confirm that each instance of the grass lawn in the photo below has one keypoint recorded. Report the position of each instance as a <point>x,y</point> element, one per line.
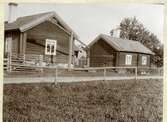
<point>95,101</point>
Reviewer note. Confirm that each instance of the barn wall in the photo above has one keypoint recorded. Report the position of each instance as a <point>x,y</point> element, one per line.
<point>122,58</point>
<point>34,49</point>
<point>40,50</point>
<point>59,58</point>
<point>101,54</point>
<point>140,60</point>
<point>48,30</point>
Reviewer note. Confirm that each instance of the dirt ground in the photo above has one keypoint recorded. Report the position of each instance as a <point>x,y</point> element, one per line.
<point>95,101</point>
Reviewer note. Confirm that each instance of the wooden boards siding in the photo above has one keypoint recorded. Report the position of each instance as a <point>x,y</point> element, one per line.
<point>101,48</point>
<point>140,60</point>
<point>48,30</point>
<point>40,50</point>
<point>59,58</point>
<point>101,61</point>
<point>34,49</point>
<point>122,58</point>
<point>136,59</point>
<point>101,54</point>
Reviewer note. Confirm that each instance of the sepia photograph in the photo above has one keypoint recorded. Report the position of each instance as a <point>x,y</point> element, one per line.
<point>83,62</point>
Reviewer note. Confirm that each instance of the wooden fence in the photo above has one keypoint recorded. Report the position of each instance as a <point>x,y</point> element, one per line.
<point>23,61</point>
<point>14,61</point>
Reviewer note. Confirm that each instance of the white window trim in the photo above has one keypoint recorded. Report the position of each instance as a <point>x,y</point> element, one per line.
<point>144,60</point>
<point>128,59</point>
<point>51,43</point>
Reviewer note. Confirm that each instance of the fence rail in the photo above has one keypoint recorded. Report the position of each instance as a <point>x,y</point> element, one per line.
<point>87,72</point>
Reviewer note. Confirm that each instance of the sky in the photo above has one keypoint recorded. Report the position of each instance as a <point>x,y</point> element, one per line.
<point>90,20</point>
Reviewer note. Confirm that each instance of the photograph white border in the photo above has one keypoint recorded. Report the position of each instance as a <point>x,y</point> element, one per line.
<point>84,2</point>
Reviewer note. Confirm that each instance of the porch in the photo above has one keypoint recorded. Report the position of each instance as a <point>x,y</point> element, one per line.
<point>30,62</point>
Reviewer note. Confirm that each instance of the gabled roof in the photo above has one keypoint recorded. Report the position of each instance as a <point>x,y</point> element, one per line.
<point>124,45</point>
<point>28,22</point>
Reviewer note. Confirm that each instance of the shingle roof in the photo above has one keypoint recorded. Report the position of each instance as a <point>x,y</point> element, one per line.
<point>120,44</point>
<point>27,22</point>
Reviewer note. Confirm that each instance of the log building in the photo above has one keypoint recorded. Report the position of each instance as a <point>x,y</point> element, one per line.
<point>26,36</point>
<point>106,50</point>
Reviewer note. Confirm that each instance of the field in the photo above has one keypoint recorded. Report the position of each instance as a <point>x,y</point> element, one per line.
<point>95,101</point>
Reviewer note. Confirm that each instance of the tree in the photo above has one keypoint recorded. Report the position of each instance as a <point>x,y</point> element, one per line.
<point>132,29</point>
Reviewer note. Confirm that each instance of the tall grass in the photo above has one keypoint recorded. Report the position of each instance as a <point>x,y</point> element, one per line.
<point>110,101</point>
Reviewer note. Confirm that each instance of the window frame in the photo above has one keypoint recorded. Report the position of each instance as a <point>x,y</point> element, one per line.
<point>52,45</point>
<point>128,59</point>
<point>144,60</point>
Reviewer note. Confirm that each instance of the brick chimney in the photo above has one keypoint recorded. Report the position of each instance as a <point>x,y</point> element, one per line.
<point>12,16</point>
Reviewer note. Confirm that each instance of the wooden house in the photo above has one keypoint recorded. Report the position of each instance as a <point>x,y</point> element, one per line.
<point>106,50</point>
<point>26,36</point>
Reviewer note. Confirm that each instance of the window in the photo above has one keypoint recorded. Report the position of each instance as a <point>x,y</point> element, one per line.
<point>50,47</point>
<point>128,60</point>
<point>144,60</point>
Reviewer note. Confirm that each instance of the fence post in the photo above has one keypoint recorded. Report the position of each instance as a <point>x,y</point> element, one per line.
<point>161,71</point>
<point>104,74</point>
<point>55,80</point>
<point>9,67</point>
<point>24,58</point>
<point>136,73</point>
<point>40,62</point>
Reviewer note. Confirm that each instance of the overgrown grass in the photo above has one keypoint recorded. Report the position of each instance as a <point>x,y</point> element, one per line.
<point>110,101</point>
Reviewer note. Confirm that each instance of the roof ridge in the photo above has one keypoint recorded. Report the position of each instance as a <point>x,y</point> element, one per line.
<point>26,22</point>
<point>37,14</point>
<point>109,41</point>
<point>116,37</point>
<point>122,39</point>
<point>121,44</point>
